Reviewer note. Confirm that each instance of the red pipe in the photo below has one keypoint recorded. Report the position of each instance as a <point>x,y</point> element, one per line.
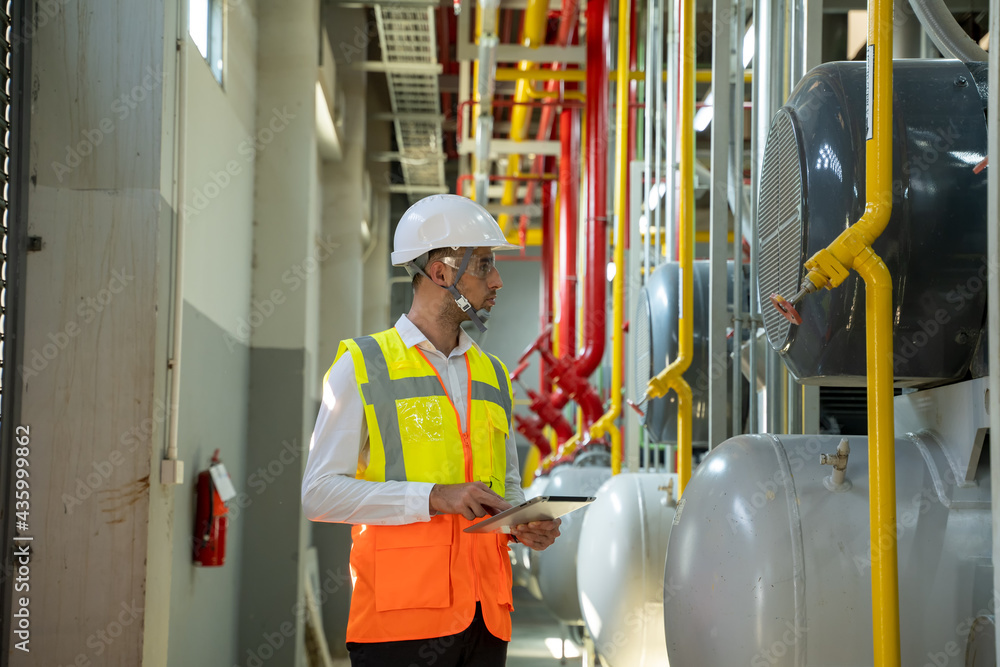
<point>548,261</point>
<point>569,167</point>
<point>595,310</point>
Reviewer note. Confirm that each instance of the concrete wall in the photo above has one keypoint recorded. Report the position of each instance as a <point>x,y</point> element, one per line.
<point>93,384</point>
<point>288,251</point>
<point>219,199</point>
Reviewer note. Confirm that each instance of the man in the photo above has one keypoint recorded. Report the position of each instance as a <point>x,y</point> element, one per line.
<point>413,444</point>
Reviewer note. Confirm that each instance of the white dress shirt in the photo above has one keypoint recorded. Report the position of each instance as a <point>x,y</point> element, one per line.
<point>339,446</point>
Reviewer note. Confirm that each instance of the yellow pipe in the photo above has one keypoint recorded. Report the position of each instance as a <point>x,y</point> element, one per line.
<point>532,238</point>
<point>580,75</point>
<point>606,424</point>
<point>535,22</point>
<point>536,19</point>
<point>672,377</point>
<point>531,462</point>
<point>566,449</point>
<point>828,268</point>
<point>535,94</point>
<point>699,237</point>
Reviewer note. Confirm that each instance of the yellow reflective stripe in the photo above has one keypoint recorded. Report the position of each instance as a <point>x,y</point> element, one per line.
<point>381,392</point>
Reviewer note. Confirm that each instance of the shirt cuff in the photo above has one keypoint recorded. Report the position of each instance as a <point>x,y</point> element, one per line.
<point>418,496</point>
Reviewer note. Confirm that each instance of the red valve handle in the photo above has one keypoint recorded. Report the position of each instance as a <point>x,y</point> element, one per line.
<point>786,308</point>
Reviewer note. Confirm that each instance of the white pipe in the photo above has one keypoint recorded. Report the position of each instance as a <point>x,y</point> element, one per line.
<point>651,83</point>
<point>485,87</point>
<point>993,298</point>
<point>172,470</point>
<point>944,31</point>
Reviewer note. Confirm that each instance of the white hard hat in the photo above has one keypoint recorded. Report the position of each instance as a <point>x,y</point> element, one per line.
<point>445,221</point>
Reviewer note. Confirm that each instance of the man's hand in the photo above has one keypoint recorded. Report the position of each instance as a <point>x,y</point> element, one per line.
<point>538,535</point>
<point>471,500</point>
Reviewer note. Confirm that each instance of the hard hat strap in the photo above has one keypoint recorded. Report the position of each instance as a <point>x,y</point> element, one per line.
<point>462,302</point>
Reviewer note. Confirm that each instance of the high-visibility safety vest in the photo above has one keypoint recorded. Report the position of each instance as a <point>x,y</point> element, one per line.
<point>422,580</point>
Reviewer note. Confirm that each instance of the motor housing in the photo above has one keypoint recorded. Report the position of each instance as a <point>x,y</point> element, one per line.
<point>812,187</point>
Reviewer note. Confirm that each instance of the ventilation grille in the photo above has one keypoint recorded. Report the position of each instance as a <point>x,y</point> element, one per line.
<point>643,345</point>
<point>779,224</point>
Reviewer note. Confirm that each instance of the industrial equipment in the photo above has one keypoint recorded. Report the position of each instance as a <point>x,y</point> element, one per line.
<point>656,342</point>
<point>623,543</point>
<point>555,568</point>
<point>773,554</point>
<point>812,187</point>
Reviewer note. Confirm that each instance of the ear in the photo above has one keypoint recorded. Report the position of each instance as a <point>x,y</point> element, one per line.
<point>438,272</point>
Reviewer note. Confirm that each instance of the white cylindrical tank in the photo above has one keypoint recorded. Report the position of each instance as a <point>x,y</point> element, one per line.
<point>623,545</point>
<point>772,566</point>
<point>520,555</point>
<point>555,567</point>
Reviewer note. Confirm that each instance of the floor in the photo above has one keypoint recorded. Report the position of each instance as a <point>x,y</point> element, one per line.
<point>533,624</point>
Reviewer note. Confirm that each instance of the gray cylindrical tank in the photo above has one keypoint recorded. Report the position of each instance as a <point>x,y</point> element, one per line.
<point>773,567</point>
<point>623,545</point>
<point>520,555</point>
<point>555,567</point>
<point>656,341</point>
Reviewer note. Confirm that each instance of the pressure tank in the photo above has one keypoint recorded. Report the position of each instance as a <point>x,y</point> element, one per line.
<point>812,187</point>
<point>556,566</point>
<point>520,555</point>
<point>623,545</point>
<point>656,341</point>
<point>769,560</point>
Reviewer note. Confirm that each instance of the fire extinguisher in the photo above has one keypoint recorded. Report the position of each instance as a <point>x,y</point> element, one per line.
<point>211,520</point>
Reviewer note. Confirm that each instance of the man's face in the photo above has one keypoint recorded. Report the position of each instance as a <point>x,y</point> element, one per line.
<point>481,279</point>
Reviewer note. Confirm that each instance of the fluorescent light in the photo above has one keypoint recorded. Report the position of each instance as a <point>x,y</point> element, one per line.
<point>748,46</point>
<point>557,645</point>
<point>655,194</point>
<point>611,271</point>
<point>704,115</point>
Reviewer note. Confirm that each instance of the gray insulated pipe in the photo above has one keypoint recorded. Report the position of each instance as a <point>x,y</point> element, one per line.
<point>948,36</point>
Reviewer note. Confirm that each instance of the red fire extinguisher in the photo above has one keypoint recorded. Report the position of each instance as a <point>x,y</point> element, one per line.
<point>211,519</point>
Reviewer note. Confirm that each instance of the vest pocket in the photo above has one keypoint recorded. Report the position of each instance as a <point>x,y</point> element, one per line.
<point>413,565</point>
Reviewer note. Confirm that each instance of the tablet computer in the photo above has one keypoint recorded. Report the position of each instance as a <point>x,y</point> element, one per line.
<point>542,508</point>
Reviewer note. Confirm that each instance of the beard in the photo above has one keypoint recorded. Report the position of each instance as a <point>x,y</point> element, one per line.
<point>453,315</point>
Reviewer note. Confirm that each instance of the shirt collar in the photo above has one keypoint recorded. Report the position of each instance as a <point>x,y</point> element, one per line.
<point>411,336</point>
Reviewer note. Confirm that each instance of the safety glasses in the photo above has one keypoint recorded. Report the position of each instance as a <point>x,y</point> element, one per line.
<point>480,266</point>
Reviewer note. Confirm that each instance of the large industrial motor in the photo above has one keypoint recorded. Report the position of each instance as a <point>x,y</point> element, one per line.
<point>772,560</point>
<point>555,567</point>
<point>656,340</point>
<point>812,187</point>
<point>623,544</point>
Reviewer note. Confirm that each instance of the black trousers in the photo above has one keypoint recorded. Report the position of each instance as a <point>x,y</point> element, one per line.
<point>473,647</point>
